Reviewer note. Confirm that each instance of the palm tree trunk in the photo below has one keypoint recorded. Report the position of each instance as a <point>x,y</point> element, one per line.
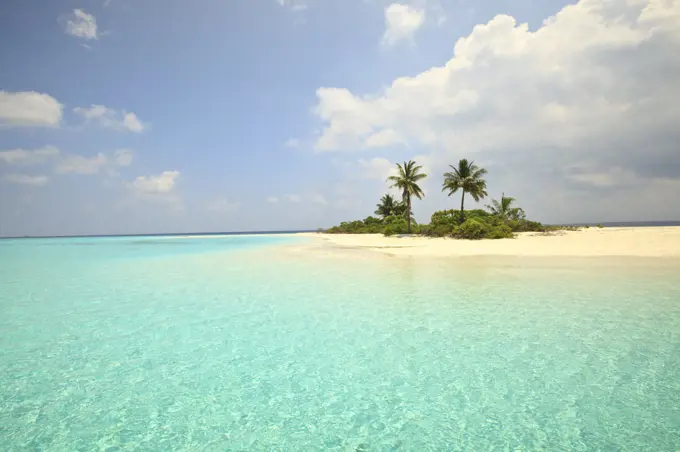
<point>409,214</point>
<point>462,211</point>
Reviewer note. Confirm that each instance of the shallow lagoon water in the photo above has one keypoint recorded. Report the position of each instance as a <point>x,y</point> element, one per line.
<point>236,343</point>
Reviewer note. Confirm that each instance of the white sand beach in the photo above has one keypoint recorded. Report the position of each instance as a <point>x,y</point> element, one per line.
<point>639,241</point>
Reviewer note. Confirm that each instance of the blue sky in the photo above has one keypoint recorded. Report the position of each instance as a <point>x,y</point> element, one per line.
<point>148,116</point>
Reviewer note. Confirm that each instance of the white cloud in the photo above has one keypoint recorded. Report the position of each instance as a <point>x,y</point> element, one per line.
<point>161,184</point>
<point>81,25</point>
<point>77,164</point>
<point>94,112</point>
<point>293,198</point>
<point>294,5</point>
<point>23,179</point>
<point>222,205</point>
<point>132,123</point>
<point>123,157</point>
<point>401,22</point>
<point>29,157</point>
<point>161,190</point>
<point>383,138</point>
<point>29,108</point>
<point>67,163</point>
<point>377,168</point>
<point>506,83</point>
<point>596,85</point>
<point>111,118</point>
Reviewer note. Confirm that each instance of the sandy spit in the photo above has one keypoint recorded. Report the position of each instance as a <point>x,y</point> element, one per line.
<point>643,242</point>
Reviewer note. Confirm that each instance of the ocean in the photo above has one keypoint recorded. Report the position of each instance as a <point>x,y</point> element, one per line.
<point>251,343</point>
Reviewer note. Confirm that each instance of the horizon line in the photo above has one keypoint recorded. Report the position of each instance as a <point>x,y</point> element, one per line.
<point>653,223</point>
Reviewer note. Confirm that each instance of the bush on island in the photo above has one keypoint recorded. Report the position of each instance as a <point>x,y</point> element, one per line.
<point>472,229</point>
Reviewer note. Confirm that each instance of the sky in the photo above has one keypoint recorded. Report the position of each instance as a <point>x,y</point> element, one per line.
<point>153,116</point>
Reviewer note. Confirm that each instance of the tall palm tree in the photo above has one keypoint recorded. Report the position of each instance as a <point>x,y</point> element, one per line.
<point>387,206</point>
<point>407,182</point>
<point>467,177</point>
<point>503,208</point>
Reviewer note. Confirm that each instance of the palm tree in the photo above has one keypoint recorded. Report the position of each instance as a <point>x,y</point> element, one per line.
<point>387,206</point>
<point>503,208</point>
<point>468,178</point>
<point>407,182</point>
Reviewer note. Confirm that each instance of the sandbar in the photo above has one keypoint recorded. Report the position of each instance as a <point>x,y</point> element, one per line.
<point>586,242</point>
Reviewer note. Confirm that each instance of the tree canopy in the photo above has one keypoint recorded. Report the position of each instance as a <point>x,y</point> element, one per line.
<point>467,177</point>
<point>407,181</point>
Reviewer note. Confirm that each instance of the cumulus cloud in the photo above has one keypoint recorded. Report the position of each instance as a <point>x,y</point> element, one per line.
<point>595,87</point>
<point>377,168</point>
<point>29,157</point>
<point>67,163</point>
<point>24,179</point>
<point>272,199</point>
<point>161,184</point>
<point>383,138</point>
<point>401,23</point>
<point>132,123</point>
<point>80,25</point>
<point>111,118</point>
<point>78,164</point>
<point>29,108</point>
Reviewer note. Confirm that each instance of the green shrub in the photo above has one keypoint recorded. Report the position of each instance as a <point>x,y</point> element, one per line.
<point>477,214</point>
<point>439,230</point>
<point>369,221</point>
<point>369,226</point>
<point>443,230</point>
<point>600,226</point>
<point>533,226</point>
<point>472,230</point>
<point>442,223</point>
<point>525,226</point>
<point>444,216</point>
<point>560,228</point>
<point>502,231</point>
<point>398,225</point>
<point>446,223</point>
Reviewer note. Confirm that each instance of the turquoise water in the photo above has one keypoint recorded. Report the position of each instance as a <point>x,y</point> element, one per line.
<point>249,343</point>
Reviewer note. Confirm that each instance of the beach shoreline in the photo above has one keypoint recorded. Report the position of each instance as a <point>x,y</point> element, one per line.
<point>585,242</point>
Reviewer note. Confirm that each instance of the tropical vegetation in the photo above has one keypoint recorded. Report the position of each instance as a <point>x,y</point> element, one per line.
<point>502,219</point>
<point>504,210</point>
<point>468,178</point>
<point>407,181</point>
<point>388,206</point>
